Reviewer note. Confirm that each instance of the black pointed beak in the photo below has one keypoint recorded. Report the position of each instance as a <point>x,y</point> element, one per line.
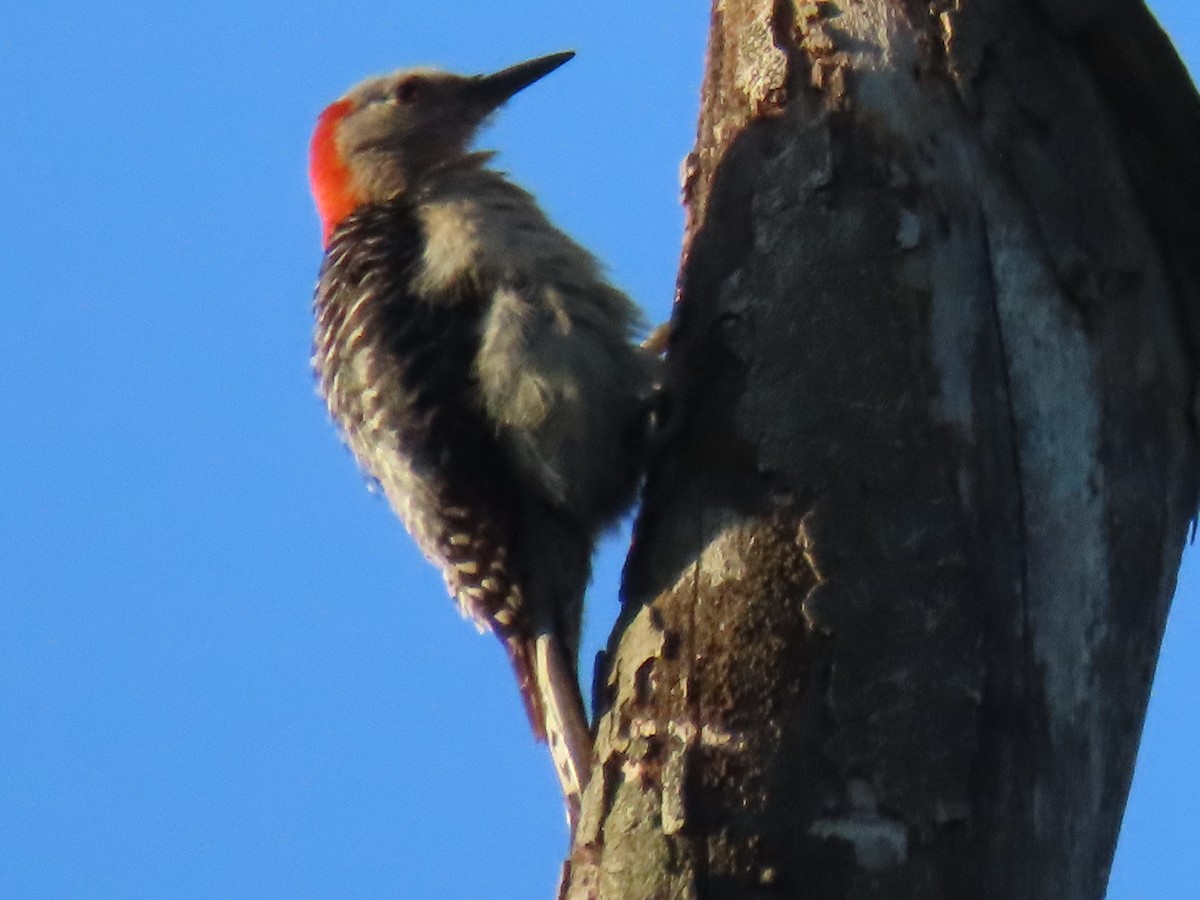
<point>492,90</point>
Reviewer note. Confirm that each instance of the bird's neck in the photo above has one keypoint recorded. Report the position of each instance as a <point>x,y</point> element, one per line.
<point>339,189</point>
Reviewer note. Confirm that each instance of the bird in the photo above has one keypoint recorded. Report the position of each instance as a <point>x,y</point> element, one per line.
<point>481,368</point>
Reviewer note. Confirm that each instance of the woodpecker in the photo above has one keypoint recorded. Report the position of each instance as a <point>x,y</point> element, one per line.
<point>481,369</point>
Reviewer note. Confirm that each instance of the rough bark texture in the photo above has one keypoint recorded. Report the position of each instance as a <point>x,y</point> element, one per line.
<point>907,550</point>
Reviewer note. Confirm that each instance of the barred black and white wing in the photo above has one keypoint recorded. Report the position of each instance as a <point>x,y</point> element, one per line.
<point>397,370</point>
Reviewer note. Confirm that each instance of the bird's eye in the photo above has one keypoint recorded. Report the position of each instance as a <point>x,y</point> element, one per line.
<point>408,90</point>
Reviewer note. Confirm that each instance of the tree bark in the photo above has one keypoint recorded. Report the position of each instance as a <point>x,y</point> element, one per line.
<point>928,459</point>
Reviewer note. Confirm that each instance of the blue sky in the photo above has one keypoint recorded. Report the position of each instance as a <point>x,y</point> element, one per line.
<point>224,671</point>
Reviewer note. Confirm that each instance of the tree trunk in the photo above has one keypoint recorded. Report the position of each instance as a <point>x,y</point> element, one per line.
<point>928,459</point>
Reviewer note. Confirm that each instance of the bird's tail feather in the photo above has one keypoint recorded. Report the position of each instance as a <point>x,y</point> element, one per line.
<point>553,703</point>
<point>567,732</point>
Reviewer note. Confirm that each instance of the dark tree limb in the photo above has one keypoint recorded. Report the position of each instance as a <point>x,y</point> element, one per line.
<point>908,546</point>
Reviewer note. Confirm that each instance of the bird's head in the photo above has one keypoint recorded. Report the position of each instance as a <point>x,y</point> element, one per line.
<point>378,139</point>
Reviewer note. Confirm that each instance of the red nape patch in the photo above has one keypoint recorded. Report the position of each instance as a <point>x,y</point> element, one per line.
<point>328,175</point>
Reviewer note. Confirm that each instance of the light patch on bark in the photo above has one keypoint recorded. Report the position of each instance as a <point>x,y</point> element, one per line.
<point>1052,370</point>
<point>882,49</point>
<point>908,232</point>
<point>709,735</point>
<point>878,843</point>
<point>723,560</point>
<point>674,815</point>
<point>761,65</point>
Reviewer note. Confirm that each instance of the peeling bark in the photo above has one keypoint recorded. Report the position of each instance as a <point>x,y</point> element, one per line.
<point>906,551</point>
